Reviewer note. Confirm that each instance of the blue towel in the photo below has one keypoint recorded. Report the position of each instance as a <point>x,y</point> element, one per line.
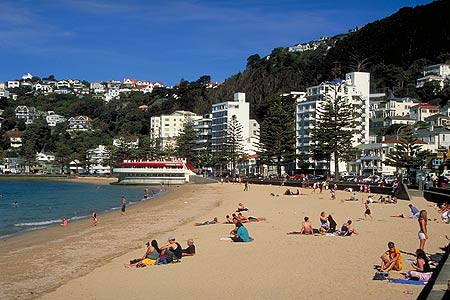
<point>406,281</point>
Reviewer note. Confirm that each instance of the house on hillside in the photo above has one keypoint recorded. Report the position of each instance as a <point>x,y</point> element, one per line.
<point>126,141</point>
<point>26,113</point>
<point>80,123</point>
<point>53,119</point>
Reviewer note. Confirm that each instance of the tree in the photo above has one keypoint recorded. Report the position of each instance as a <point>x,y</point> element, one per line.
<point>407,153</point>
<point>277,134</point>
<point>233,146</point>
<point>332,133</point>
<point>186,141</point>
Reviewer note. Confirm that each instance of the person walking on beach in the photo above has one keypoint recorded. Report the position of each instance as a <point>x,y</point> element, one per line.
<point>94,217</point>
<point>423,233</point>
<point>246,186</point>
<point>124,204</point>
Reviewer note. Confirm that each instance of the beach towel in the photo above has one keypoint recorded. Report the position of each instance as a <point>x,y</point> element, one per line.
<point>406,281</point>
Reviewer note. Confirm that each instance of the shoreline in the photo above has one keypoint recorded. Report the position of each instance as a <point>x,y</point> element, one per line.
<point>72,247</point>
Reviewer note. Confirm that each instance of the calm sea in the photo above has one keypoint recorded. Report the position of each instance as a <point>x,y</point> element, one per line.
<point>44,203</point>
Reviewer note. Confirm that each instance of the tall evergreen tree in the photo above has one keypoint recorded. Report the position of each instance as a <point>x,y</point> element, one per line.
<point>186,141</point>
<point>277,134</point>
<point>407,153</point>
<point>332,132</point>
<point>233,147</point>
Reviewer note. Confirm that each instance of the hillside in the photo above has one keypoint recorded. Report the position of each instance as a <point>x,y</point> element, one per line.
<point>394,50</point>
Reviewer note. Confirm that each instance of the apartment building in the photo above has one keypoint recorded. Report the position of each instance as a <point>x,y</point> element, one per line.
<point>355,89</point>
<point>167,127</point>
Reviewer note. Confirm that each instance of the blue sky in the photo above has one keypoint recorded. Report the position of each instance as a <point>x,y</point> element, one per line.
<point>165,40</point>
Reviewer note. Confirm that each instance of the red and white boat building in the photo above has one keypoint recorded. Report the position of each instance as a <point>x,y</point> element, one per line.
<point>153,172</point>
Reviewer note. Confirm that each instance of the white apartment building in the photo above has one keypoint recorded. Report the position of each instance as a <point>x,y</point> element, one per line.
<point>98,161</point>
<point>203,128</point>
<point>166,127</point>
<point>439,73</point>
<point>222,114</point>
<point>355,88</point>
<point>13,84</point>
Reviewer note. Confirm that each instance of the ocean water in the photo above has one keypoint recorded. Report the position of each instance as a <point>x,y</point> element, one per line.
<point>43,203</point>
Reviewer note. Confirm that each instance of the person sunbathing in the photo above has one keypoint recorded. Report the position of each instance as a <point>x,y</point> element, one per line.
<point>241,207</point>
<point>213,221</point>
<point>307,227</point>
<point>391,259</point>
<point>243,219</point>
<point>229,220</point>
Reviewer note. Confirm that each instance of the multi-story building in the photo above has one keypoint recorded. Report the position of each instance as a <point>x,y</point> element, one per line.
<point>203,128</point>
<point>167,127</point>
<point>391,106</point>
<point>98,159</point>
<point>222,114</point>
<point>423,110</point>
<point>439,73</point>
<point>355,89</point>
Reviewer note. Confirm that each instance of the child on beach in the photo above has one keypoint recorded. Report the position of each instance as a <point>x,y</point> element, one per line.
<point>94,217</point>
<point>124,204</point>
<point>64,223</point>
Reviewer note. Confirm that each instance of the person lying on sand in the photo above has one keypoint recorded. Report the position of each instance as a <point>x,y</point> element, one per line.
<point>241,207</point>
<point>213,221</point>
<point>243,219</point>
<point>229,220</point>
<point>307,227</point>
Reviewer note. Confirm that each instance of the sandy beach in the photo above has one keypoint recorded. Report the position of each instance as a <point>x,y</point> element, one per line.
<point>87,262</point>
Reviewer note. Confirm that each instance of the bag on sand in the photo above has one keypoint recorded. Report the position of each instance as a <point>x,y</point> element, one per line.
<point>381,276</point>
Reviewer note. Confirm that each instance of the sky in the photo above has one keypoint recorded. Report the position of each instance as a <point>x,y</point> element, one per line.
<point>165,41</point>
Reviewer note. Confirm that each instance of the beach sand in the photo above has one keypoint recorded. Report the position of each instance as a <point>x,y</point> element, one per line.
<point>86,262</point>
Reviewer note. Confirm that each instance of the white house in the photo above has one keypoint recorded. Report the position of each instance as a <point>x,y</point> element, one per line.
<point>26,113</point>
<point>80,123</point>
<point>53,119</point>
<point>13,84</point>
<point>44,157</point>
<point>128,142</point>
<point>4,93</point>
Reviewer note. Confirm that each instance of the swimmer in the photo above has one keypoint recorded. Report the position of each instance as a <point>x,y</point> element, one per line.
<point>16,204</point>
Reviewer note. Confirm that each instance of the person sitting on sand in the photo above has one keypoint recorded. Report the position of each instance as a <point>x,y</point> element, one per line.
<point>391,259</point>
<point>190,250</point>
<point>307,227</point>
<point>229,220</point>
<point>333,224</point>
<point>422,270</point>
<point>213,221</point>
<point>241,234</point>
<point>323,222</point>
<point>288,192</point>
<point>64,222</point>
<point>150,257</point>
<point>297,192</point>
<point>347,230</point>
<point>173,250</point>
<point>241,207</point>
<point>354,197</point>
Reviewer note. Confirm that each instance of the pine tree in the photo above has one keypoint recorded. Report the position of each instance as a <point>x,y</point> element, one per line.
<point>233,148</point>
<point>277,134</point>
<point>407,153</point>
<point>332,133</point>
<point>186,141</point>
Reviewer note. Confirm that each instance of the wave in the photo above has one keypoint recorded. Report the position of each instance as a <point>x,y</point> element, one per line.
<point>40,223</point>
